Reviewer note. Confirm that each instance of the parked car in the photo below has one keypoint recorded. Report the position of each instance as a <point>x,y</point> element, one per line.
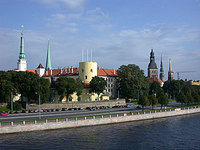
<point>138,107</point>
<point>64,109</point>
<point>129,105</point>
<point>92,108</point>
<point>3,113</point>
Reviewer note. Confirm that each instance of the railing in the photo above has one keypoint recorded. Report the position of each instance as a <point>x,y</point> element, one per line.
<point>3,124</point>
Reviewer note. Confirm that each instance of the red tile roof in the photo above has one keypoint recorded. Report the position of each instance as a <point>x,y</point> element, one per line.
<point>151,80</point>
<point>33,71</point>
<point>61,72</point>
<point>106,72</point>
<point>68,72</point>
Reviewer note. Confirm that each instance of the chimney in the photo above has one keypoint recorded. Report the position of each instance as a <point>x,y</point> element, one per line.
<point>51,72</point>
<point>72,70</point>
<point>47,73</point>
<point>61,71</point>
<point>114,71</point>
<point>65,70</point>
<point>68,70</point>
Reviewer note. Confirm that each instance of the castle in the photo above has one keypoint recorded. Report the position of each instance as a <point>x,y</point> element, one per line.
<point>86,71</point>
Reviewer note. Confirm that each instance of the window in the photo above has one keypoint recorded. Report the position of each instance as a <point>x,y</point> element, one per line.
<point>70,98</point>
<point>85,77</point>
<point>82,70</point>
<point>90,98</point>
<point>91,70</point>
<point>108,90</point>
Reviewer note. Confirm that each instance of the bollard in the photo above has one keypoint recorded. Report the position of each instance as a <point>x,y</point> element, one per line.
<point>66,119</point>
<point>24,122</point>
<point>35,122</point>
<point>11,123</point>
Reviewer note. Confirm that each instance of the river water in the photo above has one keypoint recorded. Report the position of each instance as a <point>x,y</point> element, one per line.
<point>175,133</point>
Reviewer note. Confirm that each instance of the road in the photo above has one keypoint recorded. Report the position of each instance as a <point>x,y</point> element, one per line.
<point>68,113</point>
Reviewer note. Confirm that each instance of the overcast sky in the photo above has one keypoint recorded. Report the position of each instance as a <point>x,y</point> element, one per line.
<point>118,32</point>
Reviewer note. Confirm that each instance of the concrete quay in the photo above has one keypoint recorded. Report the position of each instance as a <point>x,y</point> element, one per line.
<point>95,121</point>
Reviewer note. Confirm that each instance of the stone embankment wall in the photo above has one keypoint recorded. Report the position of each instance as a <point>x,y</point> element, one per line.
<point>94,121</point>
<point>77,104</point>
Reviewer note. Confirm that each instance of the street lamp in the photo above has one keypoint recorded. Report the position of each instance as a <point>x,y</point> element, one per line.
<point>38,106</point>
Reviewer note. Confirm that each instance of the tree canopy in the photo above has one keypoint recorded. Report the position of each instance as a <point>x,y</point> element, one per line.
<point>67,86</point>
<point>98,85</point>
<point>132,81</point>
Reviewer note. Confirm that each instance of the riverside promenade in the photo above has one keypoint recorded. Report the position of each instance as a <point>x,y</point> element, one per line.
<point>95,120</point>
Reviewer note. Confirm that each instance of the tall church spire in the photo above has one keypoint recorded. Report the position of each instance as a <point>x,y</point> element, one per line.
<point>48,60</point>
<point>170,73</point>
<point>161,70</point>
<point>21,65</point>
<point>21,53</point>
<point>152,67</point>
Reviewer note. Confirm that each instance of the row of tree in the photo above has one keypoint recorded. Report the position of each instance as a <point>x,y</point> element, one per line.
<point>28,84</point>
<point>134,85</point>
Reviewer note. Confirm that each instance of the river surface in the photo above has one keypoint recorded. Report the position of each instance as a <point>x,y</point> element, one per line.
<point>175,133</point>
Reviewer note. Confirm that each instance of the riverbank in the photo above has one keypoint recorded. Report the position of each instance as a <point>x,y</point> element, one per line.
<point>94,120</point>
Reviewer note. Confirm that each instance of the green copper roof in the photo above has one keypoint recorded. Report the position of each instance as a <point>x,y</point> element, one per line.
<point>21,53</point>
<point>48,60</point>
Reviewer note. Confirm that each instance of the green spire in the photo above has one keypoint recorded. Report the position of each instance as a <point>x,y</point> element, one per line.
<point>21,53</point>
<point>48,60</point>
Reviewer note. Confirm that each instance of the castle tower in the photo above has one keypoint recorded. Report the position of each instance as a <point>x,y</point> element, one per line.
<point>152,67</point>
<point>48,60</point>
<point>161,70</point>
<point>87,70</point>
<point>170,72</point>
<point>22,65</point>
<point>40,70</point>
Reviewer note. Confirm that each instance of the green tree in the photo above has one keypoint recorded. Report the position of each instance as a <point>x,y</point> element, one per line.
<point>155,88</point>
<point>143,101</point>
<point>132,81</point>
<point>181,98</point>
<point>189,98</point>
<point>162,99</point>
<point>97,85</point>
<point>153,100</point>
<point>79,87</point>
<point>67,86</point>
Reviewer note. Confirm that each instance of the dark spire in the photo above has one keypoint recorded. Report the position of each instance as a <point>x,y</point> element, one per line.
<point>161,70</point>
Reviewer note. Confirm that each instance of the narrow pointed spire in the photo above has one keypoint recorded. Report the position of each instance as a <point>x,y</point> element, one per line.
<point>21,53</point>
<point>48,60</point>
<point>170,72</point>
<point>161,70</point>
<point>170,66</point>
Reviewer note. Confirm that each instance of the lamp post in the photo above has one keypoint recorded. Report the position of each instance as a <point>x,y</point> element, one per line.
<point>11,101</point>
<point>38,106</point>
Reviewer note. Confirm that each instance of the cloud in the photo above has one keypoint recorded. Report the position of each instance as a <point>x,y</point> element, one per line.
<point>112,50</point>
<point>73,4</point>
<point>65,22</point>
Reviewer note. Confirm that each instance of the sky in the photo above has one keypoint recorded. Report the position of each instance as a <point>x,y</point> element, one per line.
<point>118,32</point>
